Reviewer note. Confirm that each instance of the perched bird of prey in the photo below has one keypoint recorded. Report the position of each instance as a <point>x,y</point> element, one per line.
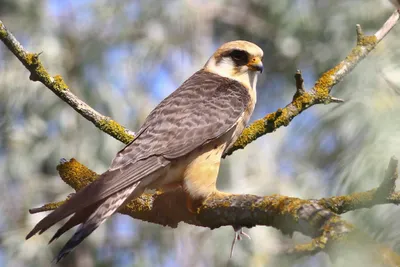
<point>180,143</point>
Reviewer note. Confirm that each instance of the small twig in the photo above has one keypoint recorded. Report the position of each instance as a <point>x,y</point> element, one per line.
<point>336,100</point>
<point>384,194</point>
<point>300,90</point>
<point>46,207</point>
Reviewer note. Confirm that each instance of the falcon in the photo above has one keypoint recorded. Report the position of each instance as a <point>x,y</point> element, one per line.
<point>180,143</point>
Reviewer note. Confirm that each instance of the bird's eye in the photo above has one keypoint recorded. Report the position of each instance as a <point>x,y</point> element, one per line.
<point>239,56</point>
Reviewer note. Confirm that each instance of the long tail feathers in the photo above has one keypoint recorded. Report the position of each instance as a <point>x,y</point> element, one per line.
<point>103,210</point>
<point>77,218</point>
<point>90,217</point>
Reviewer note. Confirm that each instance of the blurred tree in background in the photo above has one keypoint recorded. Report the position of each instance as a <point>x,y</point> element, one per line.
<point>123,57</point>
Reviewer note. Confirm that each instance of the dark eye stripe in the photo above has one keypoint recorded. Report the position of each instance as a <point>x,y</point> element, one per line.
<point>239,57</point>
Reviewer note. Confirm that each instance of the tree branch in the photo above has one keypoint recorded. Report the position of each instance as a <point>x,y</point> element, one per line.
<point>320,93</point>
<point>315,218</point>
<point>384,194</point>
<point>57,85</point>
<point>302,100</point>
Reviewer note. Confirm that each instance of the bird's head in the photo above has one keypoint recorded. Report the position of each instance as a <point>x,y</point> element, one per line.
<point>238,60</point>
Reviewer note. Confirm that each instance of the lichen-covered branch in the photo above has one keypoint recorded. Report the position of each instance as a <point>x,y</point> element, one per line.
<point>318,219</point>
<point>315,218</point>
<point>302,100</point>
<point>320,93</point>
<point>384,194</point>
<point>57,85</point>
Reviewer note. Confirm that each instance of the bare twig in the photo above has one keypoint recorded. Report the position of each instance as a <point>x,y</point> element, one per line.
<point>388,26</point>
<point>300,90</point>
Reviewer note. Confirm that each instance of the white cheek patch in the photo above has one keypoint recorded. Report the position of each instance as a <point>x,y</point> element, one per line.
<point>226,68</point>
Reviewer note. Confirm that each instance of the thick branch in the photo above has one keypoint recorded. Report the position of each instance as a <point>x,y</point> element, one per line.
<point>78,176</point>
<point>314,218</point>
<point>284,213</point>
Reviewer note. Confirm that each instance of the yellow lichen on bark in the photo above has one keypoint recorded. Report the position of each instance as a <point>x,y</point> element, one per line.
<point>38,72</point>
<point>248,133</point>
<point>325,82</point>
<point>140,204</point>
<point>281,118</point>
<point>367,40</point>
<point>3,32</point>
<point>75,174</point>
<point>59,83</point>
<point>302,101</point>
<point>53,206</point>
<point>31,58</point>
<point>115,129</point>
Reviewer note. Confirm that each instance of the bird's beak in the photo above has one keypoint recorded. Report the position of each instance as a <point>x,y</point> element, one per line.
<point>255,64</point>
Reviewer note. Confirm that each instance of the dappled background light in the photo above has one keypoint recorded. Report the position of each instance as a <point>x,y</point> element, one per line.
<point>123,57</point>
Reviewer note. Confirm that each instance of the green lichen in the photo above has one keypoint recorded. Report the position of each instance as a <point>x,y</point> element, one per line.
<point>32,59</point>
<point>115,129</point>
<point>59,83</point>
<point>53,206</point>
<point>250,133</point>
<point>367,41</point>
<point>261,127</point>
<point>280,118</point>
<point>303,101</point>
<point>325,82</point>
<point>38,72</point>
<point>3,32</point>
<point>141,204</point>
<point>281,205</point>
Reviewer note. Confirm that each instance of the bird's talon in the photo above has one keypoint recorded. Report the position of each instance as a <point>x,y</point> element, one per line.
<point>244,234</point>
<point>238,236</point>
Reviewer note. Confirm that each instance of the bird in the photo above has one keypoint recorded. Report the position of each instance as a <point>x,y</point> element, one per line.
<point>180,143</point>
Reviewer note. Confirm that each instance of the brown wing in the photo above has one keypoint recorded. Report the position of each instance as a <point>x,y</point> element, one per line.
<point>202,109</point>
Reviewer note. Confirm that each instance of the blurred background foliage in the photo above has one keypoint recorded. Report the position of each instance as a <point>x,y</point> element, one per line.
<point>122,57</point>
